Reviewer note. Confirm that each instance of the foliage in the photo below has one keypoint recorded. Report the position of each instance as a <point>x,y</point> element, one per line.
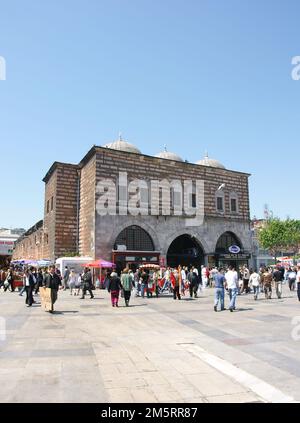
<point>280,235</point>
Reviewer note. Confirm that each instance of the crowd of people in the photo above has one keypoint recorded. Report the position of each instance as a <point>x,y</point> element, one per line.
<point>180,281</point>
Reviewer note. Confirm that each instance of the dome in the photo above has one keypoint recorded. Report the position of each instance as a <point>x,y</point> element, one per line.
<point>168,155</point>
<point>210,163</point>
<point>122,145</point>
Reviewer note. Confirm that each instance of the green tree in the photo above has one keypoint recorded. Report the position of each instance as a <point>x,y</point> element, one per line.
<point>293,236</point>
<point>273,236</point>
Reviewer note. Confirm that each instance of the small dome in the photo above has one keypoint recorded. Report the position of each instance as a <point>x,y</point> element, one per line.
<point>168,155</point>
<point>122,145</point>
<point>210,163</point>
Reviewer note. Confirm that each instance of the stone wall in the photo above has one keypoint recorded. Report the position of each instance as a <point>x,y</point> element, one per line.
<point>30,245</point>
<point>87,209</point>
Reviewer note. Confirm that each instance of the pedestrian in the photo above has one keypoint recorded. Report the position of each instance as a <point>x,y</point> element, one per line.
<point>266,279</point>
<point>292,276</point>
<point>144,283</point>
<point>193,283</point>
<point>298,282</point>
<point>127,285</point>
<point>29,283</point>
<point>203,276</point>
<point>87,283</point>
<point>278,276</point>
<point>114,287</point>
<point>177,284</point>
<point>219,281</point>
<point>9,281</point>
<point>254,282</point>
<point>39,281</point>
<point>183,279</point>
<point>52,281</point>
<point>232,281</point>
<point>72,281</point>
<point>246,278</point>
<point>66,278</point>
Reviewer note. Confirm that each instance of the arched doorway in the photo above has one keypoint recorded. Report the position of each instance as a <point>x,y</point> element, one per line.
<point>185,250</point>
<point>228,256</point>
<point>134,246</point>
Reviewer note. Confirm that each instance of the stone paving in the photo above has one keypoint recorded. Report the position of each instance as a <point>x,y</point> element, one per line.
<point>157,350</point>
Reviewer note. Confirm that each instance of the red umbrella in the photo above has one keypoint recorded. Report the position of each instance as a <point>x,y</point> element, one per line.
<point>100,264</point>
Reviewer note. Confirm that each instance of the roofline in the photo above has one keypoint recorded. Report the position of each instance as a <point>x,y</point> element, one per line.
<point>95,148</point>
<point>54,167</point>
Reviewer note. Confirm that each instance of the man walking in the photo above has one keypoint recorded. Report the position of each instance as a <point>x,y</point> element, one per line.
<point>266,279</point>
<point>231,278</point>
<point>52,281</point>
<point>87,283</point>
<point>278,278</point>
<point>219,280</point>
<point>254,281</point>
<point>66,278</point>
<point>29,283</point>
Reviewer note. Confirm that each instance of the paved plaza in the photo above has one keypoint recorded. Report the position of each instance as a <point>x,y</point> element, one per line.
<point>157,350</point>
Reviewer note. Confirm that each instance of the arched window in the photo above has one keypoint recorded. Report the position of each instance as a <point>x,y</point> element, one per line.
<point>234,202</point>
<point>220,201</point>
<point>134,238</point>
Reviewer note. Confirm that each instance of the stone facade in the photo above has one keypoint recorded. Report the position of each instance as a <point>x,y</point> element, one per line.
<point>71,222</point>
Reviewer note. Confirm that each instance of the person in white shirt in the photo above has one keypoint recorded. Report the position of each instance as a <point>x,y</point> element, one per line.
<point>254,282</point>
<point>298,282</point>
<point>231,278</point>
<point>204,277</point>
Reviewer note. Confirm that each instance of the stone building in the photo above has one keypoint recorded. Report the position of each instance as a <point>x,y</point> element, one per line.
<point>113,205</point>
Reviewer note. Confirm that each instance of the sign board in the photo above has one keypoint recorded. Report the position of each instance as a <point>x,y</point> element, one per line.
<point>46,301</point>
<point>6,248</point>
<point>234,249</point>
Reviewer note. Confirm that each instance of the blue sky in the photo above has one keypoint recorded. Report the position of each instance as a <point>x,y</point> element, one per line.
<point>195,75</point>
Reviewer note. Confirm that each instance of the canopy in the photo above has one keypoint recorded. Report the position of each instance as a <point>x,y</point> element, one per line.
<point>100,264</point>
<point>150,266</point>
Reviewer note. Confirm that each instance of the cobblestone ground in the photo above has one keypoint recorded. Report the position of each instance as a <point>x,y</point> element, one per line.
<point>157,350</point>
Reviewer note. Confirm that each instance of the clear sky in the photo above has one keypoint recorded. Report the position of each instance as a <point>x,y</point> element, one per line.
<point>195,75</point>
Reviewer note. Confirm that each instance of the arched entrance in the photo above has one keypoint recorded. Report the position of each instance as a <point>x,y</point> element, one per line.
<point>134,246</point>
<point>228,256</point>
<point>185,250</point>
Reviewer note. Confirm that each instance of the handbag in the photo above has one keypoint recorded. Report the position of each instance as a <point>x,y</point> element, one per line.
<point>122,293</point>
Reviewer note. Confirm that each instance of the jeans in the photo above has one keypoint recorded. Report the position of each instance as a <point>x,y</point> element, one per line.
<point>256,291</point>
<point>219,297</point>
<point>144,287</point>
<point>127,295</point>
<point>298,290</point>
<point>233,295</point>
<point>29,297</point>
<point>278,289</point>
<point>22,291</point>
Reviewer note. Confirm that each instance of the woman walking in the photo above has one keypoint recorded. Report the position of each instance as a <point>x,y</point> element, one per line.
<point>114,287</point>
<point>72,281</point>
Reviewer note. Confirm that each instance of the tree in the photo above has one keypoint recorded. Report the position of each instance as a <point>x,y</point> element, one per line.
<point>279,235</point>
<point>273,236</point>
<point>293,235</point>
